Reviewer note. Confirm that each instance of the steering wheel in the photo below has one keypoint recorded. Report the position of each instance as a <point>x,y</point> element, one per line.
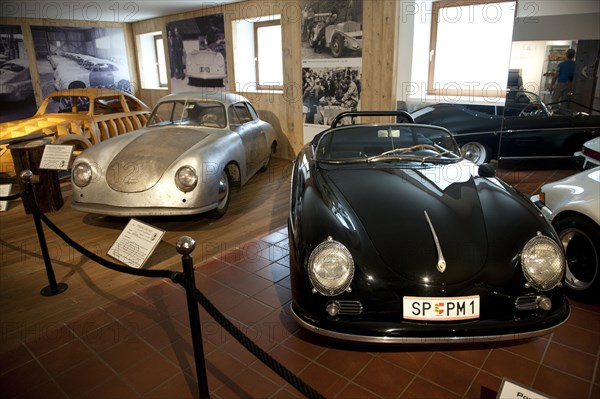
<point>419,146</point>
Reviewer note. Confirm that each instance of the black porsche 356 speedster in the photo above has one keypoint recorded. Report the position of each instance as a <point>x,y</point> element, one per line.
<point>395,238</point>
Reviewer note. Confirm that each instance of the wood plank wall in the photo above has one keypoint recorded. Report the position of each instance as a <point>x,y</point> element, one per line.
<point>283,110</point>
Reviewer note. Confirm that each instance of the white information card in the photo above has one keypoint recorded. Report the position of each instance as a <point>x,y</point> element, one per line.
<point>56,157</point>
<point>511,390</point>
<point>136,243</point>
<point>4,192</point>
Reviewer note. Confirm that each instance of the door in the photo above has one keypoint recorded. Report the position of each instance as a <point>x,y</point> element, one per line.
<point>245,122</point>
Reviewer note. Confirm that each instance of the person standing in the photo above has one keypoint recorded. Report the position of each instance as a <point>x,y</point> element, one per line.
<point>562,82</point>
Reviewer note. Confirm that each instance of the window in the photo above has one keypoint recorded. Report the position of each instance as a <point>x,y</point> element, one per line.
<point>239,114</point>
<point>153,69</point>
<point>269,64</point>
<point>470,47</point>
<point>257,55</point>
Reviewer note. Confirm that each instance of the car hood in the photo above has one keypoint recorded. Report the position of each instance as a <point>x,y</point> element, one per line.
<point>142,162</point>
<point>399,228</point>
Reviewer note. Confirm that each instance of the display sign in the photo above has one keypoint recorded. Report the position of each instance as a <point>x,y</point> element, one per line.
<point>4,192</point>
<point>56,157</point>
<point>136,243</point>
<point>511,390</point>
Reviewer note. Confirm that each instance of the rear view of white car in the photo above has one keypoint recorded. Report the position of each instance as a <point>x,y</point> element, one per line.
<point>573,206</point>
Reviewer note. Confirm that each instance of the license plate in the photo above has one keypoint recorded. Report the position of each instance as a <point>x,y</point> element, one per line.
<point>441,308</point>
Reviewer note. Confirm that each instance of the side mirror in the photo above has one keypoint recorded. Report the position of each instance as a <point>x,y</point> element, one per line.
<point>487,170</point>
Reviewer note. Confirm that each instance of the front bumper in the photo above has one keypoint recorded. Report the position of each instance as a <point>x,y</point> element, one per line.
<point>110,210</point>
<point>386,330</point>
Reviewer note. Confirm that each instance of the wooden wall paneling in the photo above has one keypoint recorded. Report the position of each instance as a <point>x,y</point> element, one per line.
<point>379,55</point>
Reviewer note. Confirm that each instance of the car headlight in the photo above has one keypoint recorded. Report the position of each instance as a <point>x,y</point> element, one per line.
<point>543,263</point>
<point>186,178</point>
<point>82,174</point>
<point>330,268</point>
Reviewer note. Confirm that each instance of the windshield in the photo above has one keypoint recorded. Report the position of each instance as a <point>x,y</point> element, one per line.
<point>189,113</point>
<point>396,142</point>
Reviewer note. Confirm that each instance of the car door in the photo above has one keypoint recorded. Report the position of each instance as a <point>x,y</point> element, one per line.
<point>244,121</point>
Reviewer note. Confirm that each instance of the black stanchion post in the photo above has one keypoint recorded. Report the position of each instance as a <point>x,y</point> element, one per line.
<point>185,246</point>
<point>53,288</point>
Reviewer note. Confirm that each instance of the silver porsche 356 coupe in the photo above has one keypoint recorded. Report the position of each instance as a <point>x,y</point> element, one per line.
<point>194,147</point>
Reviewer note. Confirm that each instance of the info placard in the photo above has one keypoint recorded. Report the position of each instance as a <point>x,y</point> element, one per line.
<point>56,157</point>
<point>136,243</point>
<point>511,390</point>
<point>4,192</point>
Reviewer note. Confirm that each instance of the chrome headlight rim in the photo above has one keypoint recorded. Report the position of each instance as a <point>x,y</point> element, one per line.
<point>82,174</point>
<point>330,251</point>
<point>542,273</point>
<point>186,178</point>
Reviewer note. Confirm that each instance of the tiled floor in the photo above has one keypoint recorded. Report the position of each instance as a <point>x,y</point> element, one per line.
<point>141,347</point>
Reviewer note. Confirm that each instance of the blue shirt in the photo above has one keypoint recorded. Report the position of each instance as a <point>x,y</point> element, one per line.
<point>566,70</point>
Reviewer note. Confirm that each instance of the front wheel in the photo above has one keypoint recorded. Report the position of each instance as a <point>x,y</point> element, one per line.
<point>475,152</point>
<point>337,46</point>
<point>580,238</point>
<point>223,196</point>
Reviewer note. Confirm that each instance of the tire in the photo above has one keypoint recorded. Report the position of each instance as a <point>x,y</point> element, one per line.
<point>580,238</point>
<point>337,46</point>
<point>475,152</point>
<point>223,195</point>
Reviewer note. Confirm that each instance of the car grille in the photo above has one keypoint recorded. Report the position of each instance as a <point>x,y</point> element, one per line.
<point>350,307</point>
<point>526,303</point>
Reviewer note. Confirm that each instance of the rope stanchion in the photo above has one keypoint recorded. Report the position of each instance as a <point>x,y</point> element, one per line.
<point>11,197</point>
<point>253,348</point>
<point>185,246</point>
<point>53,287</point>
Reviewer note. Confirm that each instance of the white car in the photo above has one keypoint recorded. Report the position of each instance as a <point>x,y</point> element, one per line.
<point>589,156</point>
<point>573,206</point>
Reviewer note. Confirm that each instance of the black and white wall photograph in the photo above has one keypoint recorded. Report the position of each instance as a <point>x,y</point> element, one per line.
<point>16,89</point>
<point>197,56</point>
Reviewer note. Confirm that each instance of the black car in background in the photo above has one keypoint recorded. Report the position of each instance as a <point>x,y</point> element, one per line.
<point>394,237</point>
<point>522,128</point>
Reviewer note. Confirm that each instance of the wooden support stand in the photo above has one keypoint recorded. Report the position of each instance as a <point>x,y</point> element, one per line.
<point>27,156</point>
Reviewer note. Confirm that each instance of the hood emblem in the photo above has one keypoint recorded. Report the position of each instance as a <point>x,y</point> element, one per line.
<point>441,263</point>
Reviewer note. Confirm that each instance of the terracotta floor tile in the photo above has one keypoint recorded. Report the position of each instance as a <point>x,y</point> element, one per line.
<point>126,354</point>
<point>583,318</point>
<point>241,280</point>
<point>559,385</point>
<point>291,360</point>
<point>66,357</point>
<point>275,296</point>
<point>420,388</point>
<point>304,343</point>
<point>22,379</point>
<point>578,338</point>
<point>533,349</point>
<point>274,237</point>
<point>164,334</point>
<point>150,373</point>
<point>227,298</point>
<point>570,361</point>
<point>384,378</point>
<point>182,386</point>
<point>90,321</point>
<point>211,266</point>
<point>344,362</point>
<point>113,388</point>
<point>412,359</point>
<point>474,355</point>
<point>49,338</point>
<point>502,363</point>
<point>287,392</point>
<point>84,378</point>
<point>221,367</point>
<point>14,358</point>
<point>452,374</point>
<point>250,311</point>
<point>353,391</point>
<point>107,336</point>
<point>46,390</point>
<point>248,384</point>
<point>274,272</point>
<point>273,253</point>
<point>322,380</point>
<point>484,386</point>
<point>122,307</point>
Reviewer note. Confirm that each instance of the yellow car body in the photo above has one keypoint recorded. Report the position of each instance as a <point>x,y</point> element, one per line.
<point>81,117</point>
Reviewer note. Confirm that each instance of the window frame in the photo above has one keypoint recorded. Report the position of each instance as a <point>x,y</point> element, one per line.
<point>256,27</point>
<point>156,38</point>
<point>436,7</point>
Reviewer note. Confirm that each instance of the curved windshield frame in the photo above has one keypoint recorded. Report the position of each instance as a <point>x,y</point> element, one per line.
<point>189,113</point>
<point>387,143</point>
